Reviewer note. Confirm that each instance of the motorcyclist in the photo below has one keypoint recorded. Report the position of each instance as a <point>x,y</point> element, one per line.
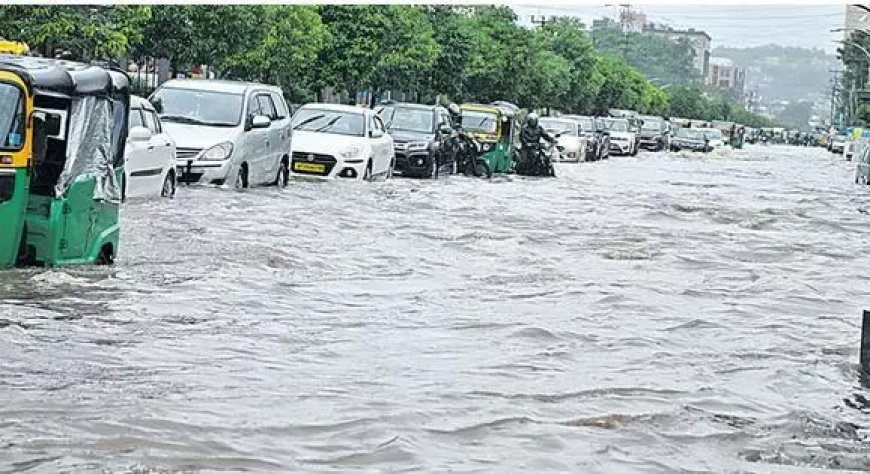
<point>531,135</point>
<point>453,139</point>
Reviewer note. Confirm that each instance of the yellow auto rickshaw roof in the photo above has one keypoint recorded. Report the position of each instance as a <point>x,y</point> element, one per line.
<point>13,47</point>
<point>481,108</point>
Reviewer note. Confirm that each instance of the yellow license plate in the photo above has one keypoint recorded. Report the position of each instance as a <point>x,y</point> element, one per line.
<point>309,167</point>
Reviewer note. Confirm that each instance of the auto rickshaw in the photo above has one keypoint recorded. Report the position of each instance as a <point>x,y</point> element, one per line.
<point>63,127</point>
<point>13,47</point>
<point>494,126</point>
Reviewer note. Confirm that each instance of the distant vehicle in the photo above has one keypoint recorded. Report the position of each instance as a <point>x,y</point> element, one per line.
<point>654,132</point>
<point>340,141</point>
<point>837,144</point>
<point>417,138</point>
<point>692,139</point>
<point>714,137</point>
<point>862,168</point>
<point>149,155</point>
<point>597,136</point>
<point>851,147</point>
<point>622,140</point>
<point>570,141</point>
<point>226,131</point>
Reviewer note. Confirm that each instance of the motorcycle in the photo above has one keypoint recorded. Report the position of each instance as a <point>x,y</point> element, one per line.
<point>468,154</point>
<point>537,161</point>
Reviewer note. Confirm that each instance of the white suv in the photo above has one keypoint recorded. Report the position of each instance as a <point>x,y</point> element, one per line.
<point>226,131</point>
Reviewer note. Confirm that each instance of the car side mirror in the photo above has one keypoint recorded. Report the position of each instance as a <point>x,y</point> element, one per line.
<point>139,134</point>
<point>376,133</point>
<point>260,121</point>
<point>158,105</point>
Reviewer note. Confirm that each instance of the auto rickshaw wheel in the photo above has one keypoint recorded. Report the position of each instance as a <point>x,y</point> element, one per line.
<point>106,256</point>
<point>482,169</point>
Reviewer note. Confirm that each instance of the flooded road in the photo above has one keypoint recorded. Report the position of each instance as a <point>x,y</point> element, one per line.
<point>647,314</point>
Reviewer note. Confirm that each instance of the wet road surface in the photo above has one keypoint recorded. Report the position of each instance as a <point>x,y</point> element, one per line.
<point>647,314</point>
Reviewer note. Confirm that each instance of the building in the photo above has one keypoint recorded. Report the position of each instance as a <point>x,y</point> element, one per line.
<point>699,41</point>
<point>723,74</point>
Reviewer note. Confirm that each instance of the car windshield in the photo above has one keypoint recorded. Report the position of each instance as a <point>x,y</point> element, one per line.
<point>652,125</point>
<point>408,119</point>
<point>11,117</point>
<point>690,133</point>
<point>197,107</point>
<point>586,124</point>
<point>337,122</point>
<point>486,122</point>
<point>566,127</point>
<point>617,125</point>
<point>713,134</point>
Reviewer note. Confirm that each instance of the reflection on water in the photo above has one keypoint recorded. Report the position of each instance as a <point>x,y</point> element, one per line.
<point>656,313</point>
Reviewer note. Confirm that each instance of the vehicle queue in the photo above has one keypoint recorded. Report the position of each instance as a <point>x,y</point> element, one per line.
<point>77,144</point>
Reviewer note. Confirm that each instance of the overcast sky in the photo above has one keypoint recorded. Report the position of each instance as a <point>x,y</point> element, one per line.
<point>729,25</point>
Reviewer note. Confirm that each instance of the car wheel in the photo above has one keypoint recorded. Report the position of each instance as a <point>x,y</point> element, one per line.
<point>433,168</point>
<point>168,190</point>
<point>368,173</point>
<point>242,177</point>
<point>389,174</point>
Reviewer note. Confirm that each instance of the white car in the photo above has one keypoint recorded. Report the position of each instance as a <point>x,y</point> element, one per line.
<point>622,140</point>
<point>149,157</point>
<point>229,132</point>
<point>340,141</point>
<point>714,136</point>
<point>570,140</point>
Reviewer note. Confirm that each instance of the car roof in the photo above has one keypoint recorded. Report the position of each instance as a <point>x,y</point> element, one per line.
<point>137,102</point>
<point>335,107</point>
<point>216,85</point>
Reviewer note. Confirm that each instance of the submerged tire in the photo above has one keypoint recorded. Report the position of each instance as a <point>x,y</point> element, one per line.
<point>168,189</point>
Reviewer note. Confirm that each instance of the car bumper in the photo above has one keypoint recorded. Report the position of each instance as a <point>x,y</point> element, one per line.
<point>413,163</point>
<point>205,172</point>
<point>621,147</point>
<point>306,165</point>
<point>651,143</point>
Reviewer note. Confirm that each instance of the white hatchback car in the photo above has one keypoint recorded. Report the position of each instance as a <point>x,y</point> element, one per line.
<point>340,141</point>
<point>227,131</point>
<point>149,156</point>
<point>570,140</point>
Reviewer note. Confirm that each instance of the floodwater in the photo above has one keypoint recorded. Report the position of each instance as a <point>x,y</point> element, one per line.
<point>643,314</point>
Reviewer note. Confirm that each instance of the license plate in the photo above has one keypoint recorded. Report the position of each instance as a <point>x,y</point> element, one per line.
<point>309,167</point>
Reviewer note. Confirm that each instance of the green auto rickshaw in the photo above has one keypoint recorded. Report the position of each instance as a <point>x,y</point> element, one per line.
<point>63,127</point>
<point>495,127</point>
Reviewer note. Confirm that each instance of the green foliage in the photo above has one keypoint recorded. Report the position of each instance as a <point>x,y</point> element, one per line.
<point>670,62</point>
<point>695,103</point>
<point>475,53</point>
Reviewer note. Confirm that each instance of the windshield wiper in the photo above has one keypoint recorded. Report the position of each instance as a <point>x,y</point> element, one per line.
<point>329,124</point>
<point>182,119</point>
<point>307,121</point>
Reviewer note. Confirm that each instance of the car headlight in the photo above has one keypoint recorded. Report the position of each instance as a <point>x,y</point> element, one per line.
<point>219,152</point>
<point>351,152</point>
<point>417,146</point>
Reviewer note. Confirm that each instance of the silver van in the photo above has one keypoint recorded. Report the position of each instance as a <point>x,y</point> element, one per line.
<point>226,131</point>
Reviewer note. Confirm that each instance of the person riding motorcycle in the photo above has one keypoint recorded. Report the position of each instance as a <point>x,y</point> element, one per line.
<point>531,135</point>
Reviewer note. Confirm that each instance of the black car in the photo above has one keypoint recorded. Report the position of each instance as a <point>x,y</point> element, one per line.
<point>691,139</point>
<point>654,133</point>
<point>415,129</point>
<point>599,138</point>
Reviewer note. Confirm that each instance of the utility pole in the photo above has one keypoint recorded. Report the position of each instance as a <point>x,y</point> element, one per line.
<point>624,15</point>
<point>835,84</point>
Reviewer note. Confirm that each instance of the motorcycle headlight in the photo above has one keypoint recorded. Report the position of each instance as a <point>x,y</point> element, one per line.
<point>417,146</point>
<point>219,152</point>
<point>351,152</point>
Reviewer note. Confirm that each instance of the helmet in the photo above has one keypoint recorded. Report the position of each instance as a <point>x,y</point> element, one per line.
<point>532,119</point>
<point>454,109</point>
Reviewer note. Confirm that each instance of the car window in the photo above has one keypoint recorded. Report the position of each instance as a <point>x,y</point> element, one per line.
<point>151,121</point>
<point>254,106</point>
<point>136,118</point>
<point>267,108</point>
<point>280,106</point>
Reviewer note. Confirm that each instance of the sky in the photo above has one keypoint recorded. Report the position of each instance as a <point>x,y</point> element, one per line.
<point>805,26</point>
